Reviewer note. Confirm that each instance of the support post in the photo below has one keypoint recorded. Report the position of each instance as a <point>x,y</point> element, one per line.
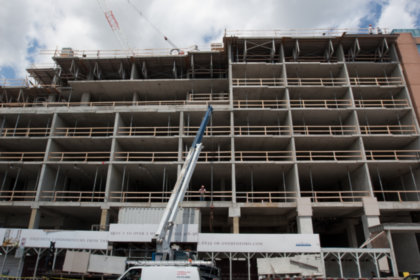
<point>104,219</point>
<point>21,259</point>
<point>6,252</point>
<point>235,214</point>
<point>351,233</point>
<point>4,179</point>
<point>54,259</point>
<point>230,266</point>
<point>249,265</point>
<point>34,219</point>
<point>38,252</point>
<point>393,259</point>
<point>85,98</point>
<point>94,184</point>
<point>235,224</point>
<point>340,265</point>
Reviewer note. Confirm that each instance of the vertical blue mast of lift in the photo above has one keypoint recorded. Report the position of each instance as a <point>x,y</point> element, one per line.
<point>164,232</point>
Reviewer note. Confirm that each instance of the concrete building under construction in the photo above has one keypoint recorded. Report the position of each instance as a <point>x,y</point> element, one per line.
<point>312,134</point>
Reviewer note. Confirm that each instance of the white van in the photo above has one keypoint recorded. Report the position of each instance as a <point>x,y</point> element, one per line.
<point>172,270</point>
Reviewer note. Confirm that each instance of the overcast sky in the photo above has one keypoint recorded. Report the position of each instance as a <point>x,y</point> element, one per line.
<point>27,26</point>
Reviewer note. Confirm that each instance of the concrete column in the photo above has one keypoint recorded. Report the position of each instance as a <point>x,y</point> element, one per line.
<point>135,96</point>
<point>304,215</point>
<point>235,214</point>
<point>371,216</point>
<point>351,233</point>
<point>104,219</point>
<point>134,72</point>
<point>51,147</point>
<point>230,74</point>
<point>223,187</point>
<point>180,142</point>
<point>232,152</point>
<point>34,219</point>
<point>118,122</point>
<point>405,247</point>
<point>85,97</point>
<point>51,98</point>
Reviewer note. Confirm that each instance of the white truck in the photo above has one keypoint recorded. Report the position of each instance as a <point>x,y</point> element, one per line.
<point>172,270</point>
<point>165,266</point>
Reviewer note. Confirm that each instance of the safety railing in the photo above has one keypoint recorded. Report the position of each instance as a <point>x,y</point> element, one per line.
<point>114,53</point>
<point>206,72</point>
<point>322,32</point>
<point>262,130</point>
<point>164,156</point>
<point>206,156</point>
<point>146,156</point>
<point>111,103</point>
<point>325,82</point>
<point>210,130</point>
<point>148,131</point>
<point>381,103</point>
<point>269,82</point>
<point>329,155</point>
<point>335,196</point>
<point>256,57</point>
<point>388,129</point>
<point>397,195</point>
<point>310,58</point>
<point>79,156</point>
<point>265,196</point>
<point>272,104</point>
<point>321,103</point>
<point>17,195</point>
<point>325,129</point>
<point>159,196</point>
<point>241,196</point>
<point>263,104</point>
<point>368,58</point>
<point>263,155</point>
<point>376,81</point>
<point>211,156</point>
<point>73,196</point>
<point>207,96</point>
<point>21,156</point>
<point>14,83</point>
<point>25,132</point>
<point>42,66</point>
<point>393,154</point>
<point>83,131</point>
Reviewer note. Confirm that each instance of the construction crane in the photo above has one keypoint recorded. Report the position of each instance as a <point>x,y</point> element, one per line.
<point>113,23</point>
<point>174,47</point>
<point>115,26</point>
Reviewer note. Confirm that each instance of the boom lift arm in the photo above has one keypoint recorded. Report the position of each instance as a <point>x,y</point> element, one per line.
<point>164,232</point>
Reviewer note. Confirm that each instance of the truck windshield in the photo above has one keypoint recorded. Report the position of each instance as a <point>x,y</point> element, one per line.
<point>133,274</point>
<point>209,273</point>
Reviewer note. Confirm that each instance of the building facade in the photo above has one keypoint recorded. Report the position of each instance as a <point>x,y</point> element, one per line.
<point>310,135</point>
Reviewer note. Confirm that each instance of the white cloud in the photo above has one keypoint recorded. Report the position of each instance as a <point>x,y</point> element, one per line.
<point>400,14</point>
<point>81,23</point>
